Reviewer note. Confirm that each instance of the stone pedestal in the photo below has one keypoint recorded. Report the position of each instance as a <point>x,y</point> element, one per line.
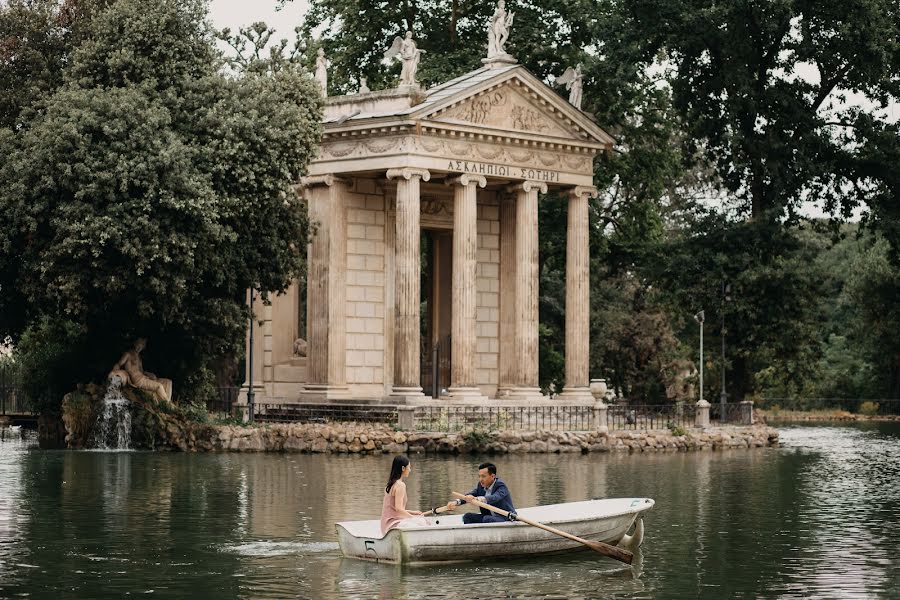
<point>746,412</point>
<point>702,417</point>
<point>407,265</point>
<point>601,422</point>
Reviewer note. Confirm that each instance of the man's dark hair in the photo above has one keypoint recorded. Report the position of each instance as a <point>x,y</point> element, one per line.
<point>492,469</point>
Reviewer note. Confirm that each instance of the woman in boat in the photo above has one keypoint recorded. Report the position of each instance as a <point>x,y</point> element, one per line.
<point>393,508</point>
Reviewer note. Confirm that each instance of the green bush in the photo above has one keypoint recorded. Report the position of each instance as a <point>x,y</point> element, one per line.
<point>868,408</point>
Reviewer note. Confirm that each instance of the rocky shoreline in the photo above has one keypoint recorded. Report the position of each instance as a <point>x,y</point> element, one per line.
<point>355,438</point>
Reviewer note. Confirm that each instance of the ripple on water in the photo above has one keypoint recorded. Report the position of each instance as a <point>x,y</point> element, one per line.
<point>278,548</point>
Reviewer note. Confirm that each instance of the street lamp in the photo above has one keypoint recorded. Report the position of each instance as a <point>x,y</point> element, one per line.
<point>251,396</point>
<point>699,317</point>
<point>723,397</point>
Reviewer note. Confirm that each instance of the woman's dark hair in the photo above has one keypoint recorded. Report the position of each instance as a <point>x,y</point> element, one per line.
<point>396,470</point>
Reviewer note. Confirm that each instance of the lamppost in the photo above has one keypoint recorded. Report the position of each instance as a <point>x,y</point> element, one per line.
<point>699,317</point>
<point>251,396</point>
<point>723,397</point>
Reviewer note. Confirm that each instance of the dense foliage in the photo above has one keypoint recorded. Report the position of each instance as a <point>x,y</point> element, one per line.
<point>143,191</point>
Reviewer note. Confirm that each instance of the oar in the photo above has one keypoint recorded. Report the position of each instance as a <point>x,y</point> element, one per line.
<point>435,511</point>
<point>617,553</point>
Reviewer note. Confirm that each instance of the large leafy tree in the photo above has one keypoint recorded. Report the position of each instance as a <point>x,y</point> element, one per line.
<point>146,194</point>
<point>762,88</point>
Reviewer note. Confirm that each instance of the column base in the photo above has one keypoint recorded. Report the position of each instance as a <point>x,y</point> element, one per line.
<point>465,395</point>
<point>578,394</point>
<point>318,392</point>
<point>521,394</point>
<point>259,393</point>
<point>407,395</point>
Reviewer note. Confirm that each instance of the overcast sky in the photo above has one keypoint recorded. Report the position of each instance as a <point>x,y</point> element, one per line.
<point>237,13</point>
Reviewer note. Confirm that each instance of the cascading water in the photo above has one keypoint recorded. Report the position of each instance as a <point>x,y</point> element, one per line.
<point>113,428</point>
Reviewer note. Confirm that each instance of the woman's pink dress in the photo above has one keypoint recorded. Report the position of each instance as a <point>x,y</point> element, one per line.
<point>390,516</point>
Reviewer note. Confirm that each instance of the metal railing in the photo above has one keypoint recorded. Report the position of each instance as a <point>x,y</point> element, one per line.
<point>319,413</point>
<point>731,412</point>
<point>13,400</point>
<point>651,416</point>
<point>498,418</point>
<point>224,400</point>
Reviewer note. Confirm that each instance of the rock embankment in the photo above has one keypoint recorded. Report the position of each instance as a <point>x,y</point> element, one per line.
<point>355,438</point>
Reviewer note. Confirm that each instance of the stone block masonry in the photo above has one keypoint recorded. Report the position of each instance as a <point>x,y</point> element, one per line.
<point>365,286</point>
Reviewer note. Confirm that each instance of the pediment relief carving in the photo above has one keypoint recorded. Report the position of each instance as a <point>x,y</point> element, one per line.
<point>507,108</point>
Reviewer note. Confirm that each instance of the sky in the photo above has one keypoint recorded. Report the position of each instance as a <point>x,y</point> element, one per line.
<point>237,13</point>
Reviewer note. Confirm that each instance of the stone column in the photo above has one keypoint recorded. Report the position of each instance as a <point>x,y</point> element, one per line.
<point>465,241</point>
<point>525,294</point>
<point>407,264</point>
<point>507,378</point>
<point>326,289</point>
<point>578,297</point>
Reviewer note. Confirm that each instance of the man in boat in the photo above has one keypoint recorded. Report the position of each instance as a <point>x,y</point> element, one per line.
<point>490,490</point>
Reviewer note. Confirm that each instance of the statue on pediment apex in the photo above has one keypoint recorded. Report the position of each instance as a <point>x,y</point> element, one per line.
<point>498,31</point>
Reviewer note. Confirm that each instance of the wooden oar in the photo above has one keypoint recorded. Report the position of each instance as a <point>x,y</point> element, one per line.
<point>435,511</point>
<point>611,551</point>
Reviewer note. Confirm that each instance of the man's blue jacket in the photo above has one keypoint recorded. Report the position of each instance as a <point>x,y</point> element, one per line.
<point>499,497</point>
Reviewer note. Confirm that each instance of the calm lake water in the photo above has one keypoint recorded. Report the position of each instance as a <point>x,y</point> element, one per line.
<point>816,518</point>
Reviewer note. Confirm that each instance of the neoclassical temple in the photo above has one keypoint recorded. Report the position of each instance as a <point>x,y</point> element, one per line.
<point>422,279</point>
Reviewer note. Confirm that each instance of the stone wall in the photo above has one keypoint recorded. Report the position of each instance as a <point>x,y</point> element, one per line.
<point>358,438</point>
<point>365,288</point>
<point>487,284</point>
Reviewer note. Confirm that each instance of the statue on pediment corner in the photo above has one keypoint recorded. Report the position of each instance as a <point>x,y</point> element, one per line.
<point>409,54</point>
<point>321,74</point>
<point>572,79</point>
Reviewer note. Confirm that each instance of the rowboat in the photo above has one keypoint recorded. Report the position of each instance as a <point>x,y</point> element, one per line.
<point>446,538</point>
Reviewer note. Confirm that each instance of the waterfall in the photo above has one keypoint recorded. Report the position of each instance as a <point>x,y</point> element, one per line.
<point>113,428</point>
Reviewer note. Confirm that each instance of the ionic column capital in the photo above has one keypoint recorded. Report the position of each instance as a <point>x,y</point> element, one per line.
<point>408,173</point>
<point>468,179</point>
<point>329,180</point>
<point>582,191</point>
<point>528,186</point>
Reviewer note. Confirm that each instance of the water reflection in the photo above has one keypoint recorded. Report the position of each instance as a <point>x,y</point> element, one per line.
<point>739,524</point>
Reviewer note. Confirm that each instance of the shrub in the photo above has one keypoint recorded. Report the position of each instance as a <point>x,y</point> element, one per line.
<point>868,408</point>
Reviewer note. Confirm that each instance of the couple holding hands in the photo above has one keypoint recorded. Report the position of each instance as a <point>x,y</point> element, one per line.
<point>490,490</point>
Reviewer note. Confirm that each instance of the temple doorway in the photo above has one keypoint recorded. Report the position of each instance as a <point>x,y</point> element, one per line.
<point>437,289</point>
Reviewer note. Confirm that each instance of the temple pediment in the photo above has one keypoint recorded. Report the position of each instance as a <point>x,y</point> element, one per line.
<point>507,107</point>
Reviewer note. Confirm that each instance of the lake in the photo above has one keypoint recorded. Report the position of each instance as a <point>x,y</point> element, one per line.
<point>818,517</point>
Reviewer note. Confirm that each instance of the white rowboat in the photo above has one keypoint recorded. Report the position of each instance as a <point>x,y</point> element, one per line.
<point>446,538</point>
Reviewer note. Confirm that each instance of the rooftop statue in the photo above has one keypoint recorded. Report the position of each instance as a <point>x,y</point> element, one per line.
<point>406,49</point>
<point>498,31</point>
<point>130,369</point>
<point>572,79</point>
<point>321,75</point>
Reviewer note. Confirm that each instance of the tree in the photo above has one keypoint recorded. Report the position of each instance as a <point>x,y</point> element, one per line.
<point>773,135</point>
<point>149,193</point>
